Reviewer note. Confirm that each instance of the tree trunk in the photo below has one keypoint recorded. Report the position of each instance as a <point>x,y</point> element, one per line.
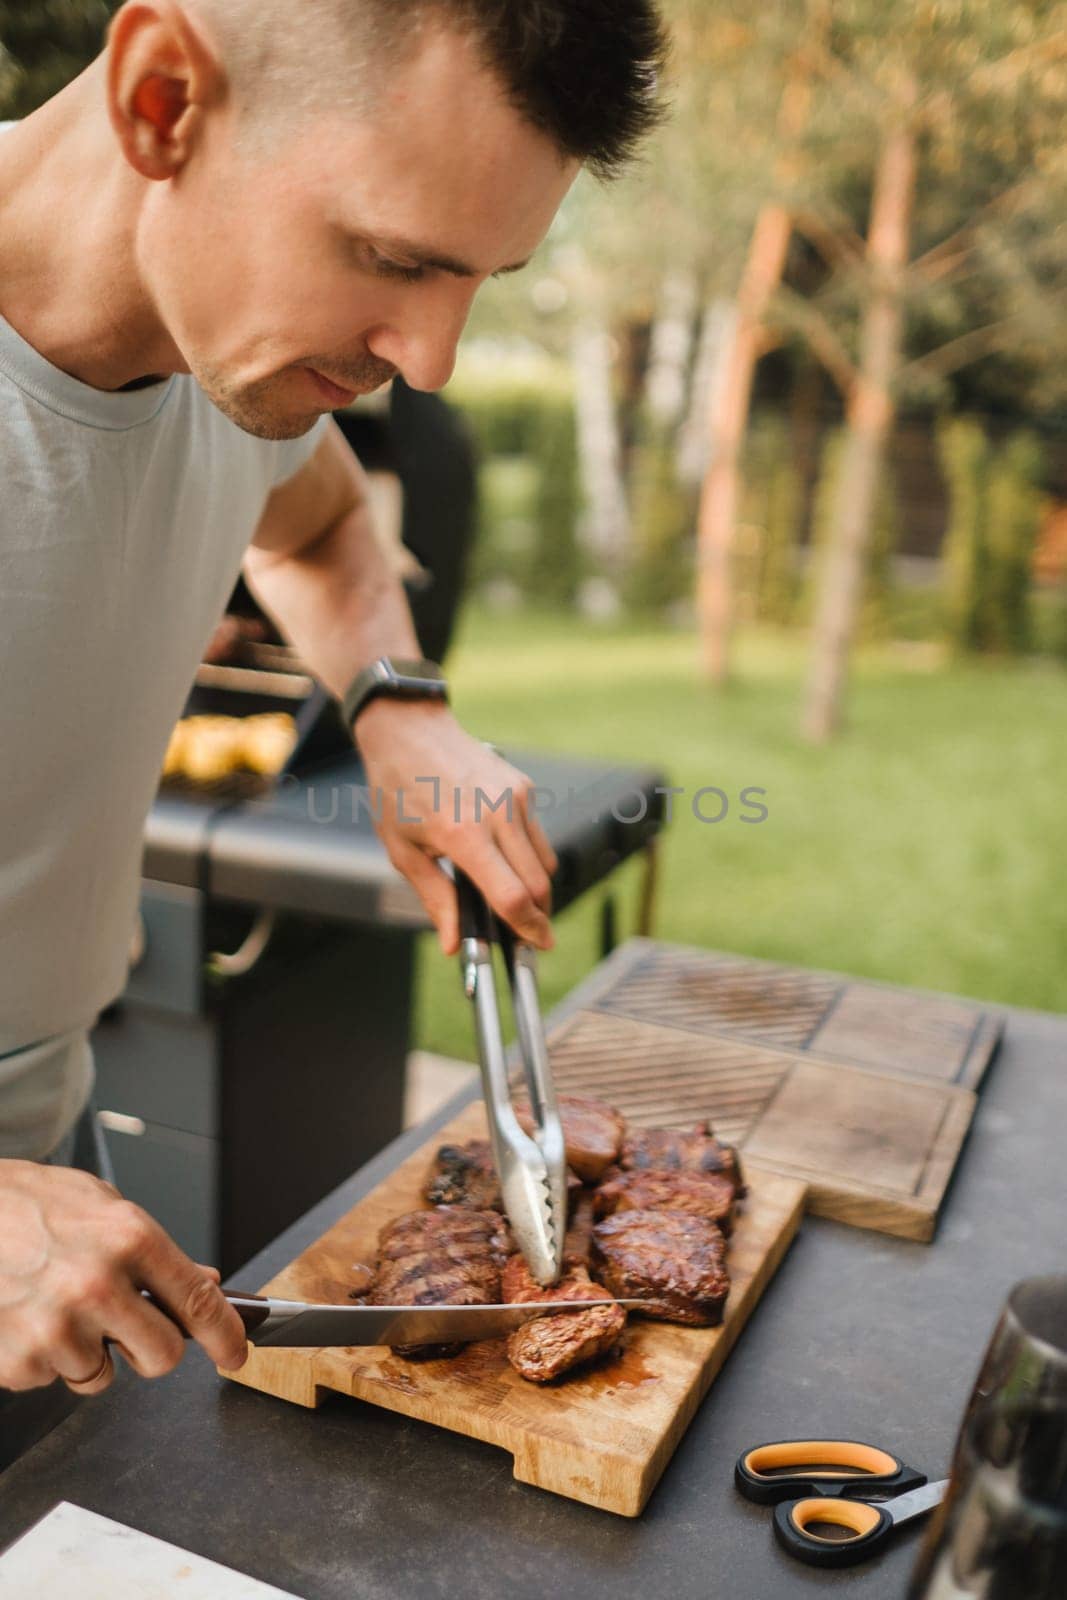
<point>729,417</point>
<point>869,419</point>
<point>721,491</point>
<point>670,349</point>
<point>605,521</point>
<point>706,383</point>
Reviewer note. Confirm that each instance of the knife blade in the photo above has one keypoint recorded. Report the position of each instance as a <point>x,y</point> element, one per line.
<point>295,1323</point>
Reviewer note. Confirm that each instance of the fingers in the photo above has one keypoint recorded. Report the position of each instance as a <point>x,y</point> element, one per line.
<point>537,835</point>
<point>95,1382</point>
<point>149,1341</point>
<point>518,851</point>
<point>195,1302</point>
<point>508,895</point>
<point>436,891</point>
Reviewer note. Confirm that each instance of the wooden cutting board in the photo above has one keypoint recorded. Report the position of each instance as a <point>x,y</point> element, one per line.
<point>863,1091</point>
<point>603,1437</point>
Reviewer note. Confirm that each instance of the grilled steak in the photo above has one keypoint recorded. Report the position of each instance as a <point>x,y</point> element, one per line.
<point>449,1256</point>
<point>465,1176</point>
<point>592,1133</point>
<point>669,1150</point>
<point>548,1346</point>
<point>699,1194</point>
<point>674,1262</point>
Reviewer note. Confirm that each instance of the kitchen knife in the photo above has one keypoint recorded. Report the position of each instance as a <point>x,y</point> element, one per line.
<point>294,1323</point>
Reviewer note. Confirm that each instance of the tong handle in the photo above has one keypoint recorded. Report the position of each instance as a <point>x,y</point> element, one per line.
<point>476,920</point>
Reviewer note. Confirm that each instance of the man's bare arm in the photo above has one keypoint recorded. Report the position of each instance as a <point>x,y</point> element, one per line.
<point>317,567</point>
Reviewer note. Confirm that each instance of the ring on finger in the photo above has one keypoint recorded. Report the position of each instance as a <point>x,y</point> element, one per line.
<point>106,1363</point>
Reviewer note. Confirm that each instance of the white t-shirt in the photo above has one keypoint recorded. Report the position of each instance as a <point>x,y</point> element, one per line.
<point>123,520</point>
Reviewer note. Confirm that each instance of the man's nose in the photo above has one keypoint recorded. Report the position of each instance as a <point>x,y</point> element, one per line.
<point>421,341</point>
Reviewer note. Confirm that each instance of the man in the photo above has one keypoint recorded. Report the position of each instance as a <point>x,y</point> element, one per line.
<point>243,214</point>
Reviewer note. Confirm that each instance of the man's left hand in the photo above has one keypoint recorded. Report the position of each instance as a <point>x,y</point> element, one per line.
<point>437,786</point>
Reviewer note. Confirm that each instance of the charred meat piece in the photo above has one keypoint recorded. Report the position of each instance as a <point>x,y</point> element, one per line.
<point>545,1347</point>
<point>674,1262</point>
<point>449,1256</point>
<point>670,1150</point>
<point>592,1133</point>
<point>699,1194</point>
<point>465,1176</point>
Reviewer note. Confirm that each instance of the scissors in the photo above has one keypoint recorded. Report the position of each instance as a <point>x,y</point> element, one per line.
<point>836,1501</point>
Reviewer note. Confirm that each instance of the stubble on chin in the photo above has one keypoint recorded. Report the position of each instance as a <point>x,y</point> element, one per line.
<point>255,409</point>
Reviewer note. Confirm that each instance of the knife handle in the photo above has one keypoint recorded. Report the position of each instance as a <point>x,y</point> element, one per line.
<point>253,1309</point>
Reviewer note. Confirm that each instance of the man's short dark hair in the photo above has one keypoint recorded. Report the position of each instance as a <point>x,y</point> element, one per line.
<point>585,72</point>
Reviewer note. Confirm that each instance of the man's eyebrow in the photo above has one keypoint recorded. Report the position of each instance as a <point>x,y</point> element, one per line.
<point>423,256</point>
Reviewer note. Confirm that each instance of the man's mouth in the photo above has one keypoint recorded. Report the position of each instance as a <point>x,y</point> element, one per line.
<point>330,391</point>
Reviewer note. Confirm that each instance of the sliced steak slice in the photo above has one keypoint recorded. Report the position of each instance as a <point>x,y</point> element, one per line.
<point>592,1133</point>
<point>549,1346</point>
<point>449,1256</point>
<point>671,1150</point>
<point>699,1194</point>
<point>674,1262</point>
<point>465,1176</point>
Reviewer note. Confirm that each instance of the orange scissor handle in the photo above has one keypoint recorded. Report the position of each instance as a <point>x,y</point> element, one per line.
<point>827,1532</point>
<point>792,1469</point>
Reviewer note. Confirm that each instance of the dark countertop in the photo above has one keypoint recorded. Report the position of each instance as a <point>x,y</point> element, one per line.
<point>859,1334</point>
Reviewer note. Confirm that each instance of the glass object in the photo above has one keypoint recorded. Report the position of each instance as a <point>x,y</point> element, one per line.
<point>1003,1532</point>
<point>1027,1355</point>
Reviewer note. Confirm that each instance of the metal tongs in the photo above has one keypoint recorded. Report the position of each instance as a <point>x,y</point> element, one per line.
<point>532,1168</point>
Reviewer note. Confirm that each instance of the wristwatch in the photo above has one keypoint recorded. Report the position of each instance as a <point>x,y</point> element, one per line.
<point>400,680</point>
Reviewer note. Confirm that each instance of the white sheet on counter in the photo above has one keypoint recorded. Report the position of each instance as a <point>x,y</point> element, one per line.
<point>72,1551</point>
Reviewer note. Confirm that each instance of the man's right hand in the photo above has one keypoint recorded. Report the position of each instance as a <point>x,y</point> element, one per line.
<point>74,1256</point>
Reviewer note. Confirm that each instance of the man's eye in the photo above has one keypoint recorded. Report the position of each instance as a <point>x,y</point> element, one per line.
<point>396,269</point>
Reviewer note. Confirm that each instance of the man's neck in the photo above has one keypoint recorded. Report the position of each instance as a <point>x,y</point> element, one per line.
<point>69,208</point>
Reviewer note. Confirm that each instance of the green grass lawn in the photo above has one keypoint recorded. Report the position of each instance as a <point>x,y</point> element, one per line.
<point>925,846</point>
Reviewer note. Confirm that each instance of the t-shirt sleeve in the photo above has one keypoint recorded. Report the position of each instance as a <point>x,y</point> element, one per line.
<point>291,454</point>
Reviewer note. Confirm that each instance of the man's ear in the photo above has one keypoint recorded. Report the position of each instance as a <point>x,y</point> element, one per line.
<point>162,76</point>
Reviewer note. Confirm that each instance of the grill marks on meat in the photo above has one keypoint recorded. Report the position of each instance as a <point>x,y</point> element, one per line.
<point>466,1176</point>
<point>546,1347</point>
<point>449,1256</point>
<point>592,1133</point>
<point>699,1194</point>
<point>674,1262</point>
<point>670,1150</point>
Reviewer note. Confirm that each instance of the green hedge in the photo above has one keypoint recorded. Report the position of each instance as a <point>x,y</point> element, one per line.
<point>530,499</point>
<point>994,516</point>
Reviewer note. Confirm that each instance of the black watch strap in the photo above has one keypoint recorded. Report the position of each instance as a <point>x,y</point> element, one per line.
<point>397,679</point>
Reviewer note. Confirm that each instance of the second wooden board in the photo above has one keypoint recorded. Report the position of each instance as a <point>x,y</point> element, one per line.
<point>603,1436</point>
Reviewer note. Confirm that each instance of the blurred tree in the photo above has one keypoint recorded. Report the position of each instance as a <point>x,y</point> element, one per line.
<point>876,578</point>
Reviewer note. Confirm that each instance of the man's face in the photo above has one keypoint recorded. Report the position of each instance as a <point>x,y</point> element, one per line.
<point>319,257</point>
